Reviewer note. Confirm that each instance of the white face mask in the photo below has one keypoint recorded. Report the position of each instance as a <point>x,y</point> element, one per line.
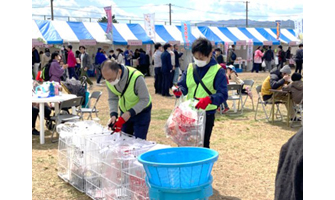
<point>116,81</point>
<point>200,63</point>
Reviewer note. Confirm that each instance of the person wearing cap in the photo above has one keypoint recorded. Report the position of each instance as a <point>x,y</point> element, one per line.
<point>295,88</point>
<point>232,75</point>
<point>128,91</point>
<point>276,80</point>
<point>212,91</point>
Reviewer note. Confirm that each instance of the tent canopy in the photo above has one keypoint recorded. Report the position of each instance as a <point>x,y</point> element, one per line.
<point>87,33</point>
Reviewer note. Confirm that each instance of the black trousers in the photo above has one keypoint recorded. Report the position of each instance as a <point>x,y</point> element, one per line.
<point>280,63</point>
<point>158,80</point>
<point>47,112</point>
<point>166,82</point>
<point>142,69</point>
<point>208,129</point>
<point>138,125</point>
<point>256,67</point>
<point>299,66</point>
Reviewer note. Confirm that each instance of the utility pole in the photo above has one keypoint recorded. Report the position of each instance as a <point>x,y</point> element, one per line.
<point>52,10</point>
<point>170,12</point>
<point>246,13</point>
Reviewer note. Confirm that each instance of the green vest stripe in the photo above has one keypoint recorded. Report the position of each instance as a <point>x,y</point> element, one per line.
<point>129,98</point>
<point>197,91</point>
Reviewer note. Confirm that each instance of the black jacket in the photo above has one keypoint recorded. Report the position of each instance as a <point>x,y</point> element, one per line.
<point>219,59</point>
<point>276,79</point>
<point>288,54</point>
<point>268,56</point>
<point>166,62</point>
<point>289,178</point>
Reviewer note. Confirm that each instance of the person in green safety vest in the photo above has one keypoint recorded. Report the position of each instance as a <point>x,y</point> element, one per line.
<point>128,91</point>
<point>213,91</point>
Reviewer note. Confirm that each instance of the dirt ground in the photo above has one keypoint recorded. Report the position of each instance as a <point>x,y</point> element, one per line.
<point>248,150</point>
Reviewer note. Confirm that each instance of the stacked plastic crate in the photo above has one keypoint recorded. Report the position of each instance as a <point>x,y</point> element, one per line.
<point>72,150</point>
<point>102,165</point>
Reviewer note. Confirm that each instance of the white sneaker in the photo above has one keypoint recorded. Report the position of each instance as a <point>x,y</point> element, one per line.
<point>99,84</point>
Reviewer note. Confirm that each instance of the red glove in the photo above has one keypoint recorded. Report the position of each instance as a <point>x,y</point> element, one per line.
<point>203,103</point>
<point>118,124</point>
<point>176,91</point>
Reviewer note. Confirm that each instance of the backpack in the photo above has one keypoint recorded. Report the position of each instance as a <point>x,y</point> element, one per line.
<point>45,72</point>
<point>233,55</point>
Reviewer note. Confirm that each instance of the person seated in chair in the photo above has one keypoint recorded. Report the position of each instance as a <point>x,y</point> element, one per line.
<point>295,88</point>
<point>276,80</point>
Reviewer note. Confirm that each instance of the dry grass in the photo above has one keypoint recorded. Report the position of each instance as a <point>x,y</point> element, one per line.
<point>248,151</point>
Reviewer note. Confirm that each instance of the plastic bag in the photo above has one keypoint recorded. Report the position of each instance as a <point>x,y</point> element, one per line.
<point>263,64</point>
<point>186,124</point>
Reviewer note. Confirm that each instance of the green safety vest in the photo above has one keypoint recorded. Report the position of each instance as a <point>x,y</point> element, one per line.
<point>129,98</point>
<point>197,91</point>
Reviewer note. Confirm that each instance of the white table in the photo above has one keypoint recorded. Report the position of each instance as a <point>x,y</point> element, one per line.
<point>56,100</point>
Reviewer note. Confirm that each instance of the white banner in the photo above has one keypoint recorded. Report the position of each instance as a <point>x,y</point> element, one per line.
<point>149,26</point>
<point>298,28</point>
<point>249,50</point>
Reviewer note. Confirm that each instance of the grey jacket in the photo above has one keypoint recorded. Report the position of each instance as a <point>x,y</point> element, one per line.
<point>141,91</point>
<point>157,59</point>
<point>86,61</point>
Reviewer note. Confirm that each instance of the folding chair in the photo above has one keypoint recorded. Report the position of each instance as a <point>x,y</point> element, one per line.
<point>95,95</point>
<point>249,83</point>
<point>298,113</point>
<point>264,103</point>
<point>63,116</point>
<point>236,95</point>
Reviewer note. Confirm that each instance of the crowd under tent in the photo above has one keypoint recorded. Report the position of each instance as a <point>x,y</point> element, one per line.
<point>93,35</point>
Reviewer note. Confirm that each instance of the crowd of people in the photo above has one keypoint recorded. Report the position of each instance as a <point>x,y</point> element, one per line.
<point>166,62</point>
<point>264,58</point>
<point>166,67</point>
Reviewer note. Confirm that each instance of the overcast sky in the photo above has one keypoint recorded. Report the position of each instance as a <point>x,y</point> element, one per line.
<point>194,10</point>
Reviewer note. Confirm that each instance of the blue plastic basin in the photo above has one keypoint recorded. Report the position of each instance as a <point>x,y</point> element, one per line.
<point>179,167</point>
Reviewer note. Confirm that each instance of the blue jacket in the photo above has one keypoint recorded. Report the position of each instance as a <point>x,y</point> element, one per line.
<point>220,84</point>
<point>142,58</point>
<point>126,57</point>
<point>166,62</point>
<point>100,58</point>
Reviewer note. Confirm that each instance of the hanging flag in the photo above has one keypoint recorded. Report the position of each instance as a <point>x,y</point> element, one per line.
<point>186,31</point>
<point>109,31</point>
<point>278,28</point>
<point>298,23</point>
<point>149,25</point>
<point>249,50</point>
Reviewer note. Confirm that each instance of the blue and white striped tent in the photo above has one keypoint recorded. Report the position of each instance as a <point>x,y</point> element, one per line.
<point>87,33</point>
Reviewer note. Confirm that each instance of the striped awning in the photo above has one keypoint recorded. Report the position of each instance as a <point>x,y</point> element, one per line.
<point>90,33</point>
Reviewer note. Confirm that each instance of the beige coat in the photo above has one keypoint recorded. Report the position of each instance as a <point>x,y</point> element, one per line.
<point>45,60</point>
<point>234,78</point>
<point>296,90</point>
